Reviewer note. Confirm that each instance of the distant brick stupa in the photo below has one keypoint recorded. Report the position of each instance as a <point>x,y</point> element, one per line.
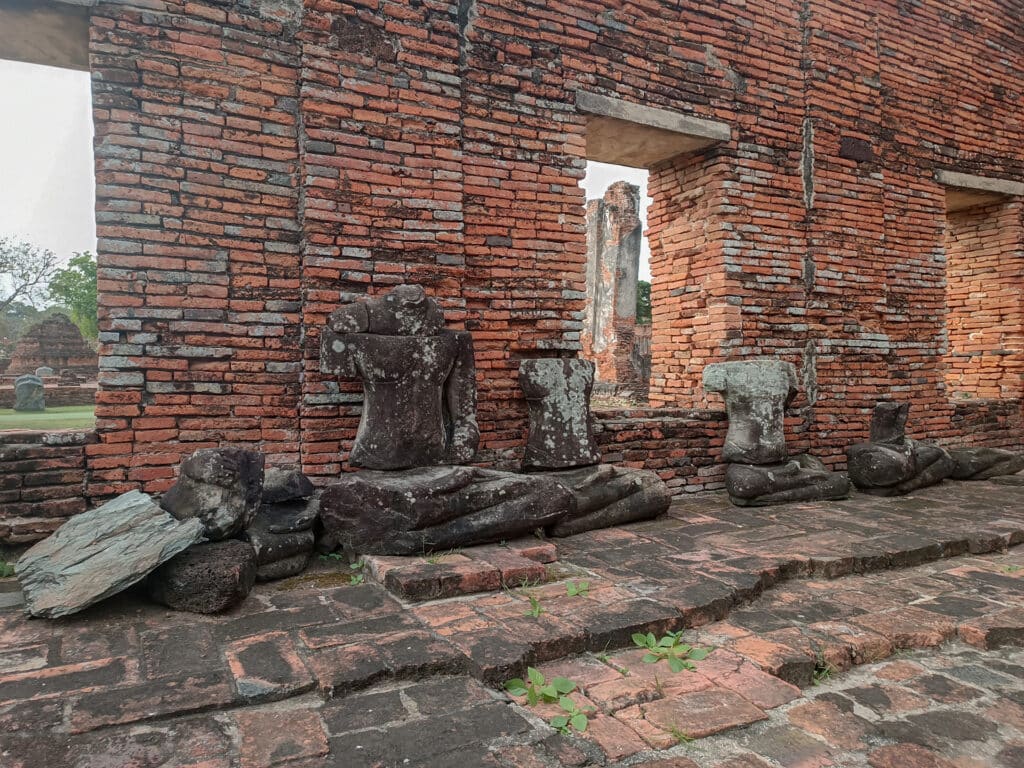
<point>54,343</point>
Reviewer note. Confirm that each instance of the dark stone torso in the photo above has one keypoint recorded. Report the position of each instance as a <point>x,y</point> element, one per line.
<point>404,420</point>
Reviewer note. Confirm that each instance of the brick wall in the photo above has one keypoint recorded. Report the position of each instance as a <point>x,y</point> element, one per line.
<point>984,302</point>
<point>197,207</point>
<point>258,160</point>
<point>683,446</point>
<point>42,482</point>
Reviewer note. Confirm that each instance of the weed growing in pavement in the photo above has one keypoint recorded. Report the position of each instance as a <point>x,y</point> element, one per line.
<point>574,717</point>
<point>437,557</point>
<point>356,576</point>
<point>822,672</point>
<point>679,735</point>
<point>538,690</point>
<point>577,588</point>
<point>535,607</point>
<point>670,648</point>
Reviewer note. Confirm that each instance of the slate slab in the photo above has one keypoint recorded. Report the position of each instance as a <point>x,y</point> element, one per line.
<point>101,552</point>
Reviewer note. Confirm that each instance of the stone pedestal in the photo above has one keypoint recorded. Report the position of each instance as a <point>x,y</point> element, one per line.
<point>892,464</point>
<point>434,508</point>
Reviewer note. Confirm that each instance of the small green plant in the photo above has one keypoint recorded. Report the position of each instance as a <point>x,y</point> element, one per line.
<point>670,648</point>
<point>822,672</point>
<point>1013,568</point>
<point>6,569</point>
<point>356,576</point>
<point>438,557</point>
<point>679,735</point>
<point>577,588</point>
<point>536,609</point>
<point>537,689</point>
<point>574,717</point>
<point>332,556</point>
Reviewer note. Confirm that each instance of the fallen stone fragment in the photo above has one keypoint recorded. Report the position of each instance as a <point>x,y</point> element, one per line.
<point>985,463</point>
<point>281,484</point>
<point>221,487</point>
<point>207,578</point>
<point>101,552</point>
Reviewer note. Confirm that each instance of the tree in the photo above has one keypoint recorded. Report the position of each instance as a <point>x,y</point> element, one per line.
<point>643,303</point>
<point>74,287</point>
<point>24,272</point>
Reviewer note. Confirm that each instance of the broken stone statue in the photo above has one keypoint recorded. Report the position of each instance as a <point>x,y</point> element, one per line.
<point>221,487</point>
<point>418,422</point>
<point>101,552</point>
<point>28,393</point>
<point>984,463</point>
<point>205,578</point>
<point>561,445</point>
<point>890,463</point>
<point>282,532</point>
<point>760,470</point>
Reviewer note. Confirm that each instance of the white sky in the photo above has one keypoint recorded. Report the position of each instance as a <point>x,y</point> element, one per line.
<point>47,187</point>
<point>600,176</point>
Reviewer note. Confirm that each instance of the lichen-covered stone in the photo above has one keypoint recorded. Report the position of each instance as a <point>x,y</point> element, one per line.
<point>221,487</point>
<point>890,463</point>
<point>760,470</point>
<point>28,393</point>
<point>280,484</point>
<point>206,578</point>
<point>419,382</point>
<point>558,395</point>
<point>756,394</point>
<point>605,495</point>
<point>984,463</point>
<point>101,552</point>
<point>431,508</point>
<point>801,478</point>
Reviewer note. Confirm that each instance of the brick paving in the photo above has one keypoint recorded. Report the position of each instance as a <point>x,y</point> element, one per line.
<point>315,671</point>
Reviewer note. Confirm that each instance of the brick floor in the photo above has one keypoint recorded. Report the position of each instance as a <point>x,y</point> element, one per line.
<point>907,613</point>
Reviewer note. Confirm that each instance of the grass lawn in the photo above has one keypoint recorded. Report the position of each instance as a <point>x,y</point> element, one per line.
<point>64,417</point>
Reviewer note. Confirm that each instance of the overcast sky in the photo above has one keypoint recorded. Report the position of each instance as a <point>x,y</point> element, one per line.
<point>600,176</point>
<point>47,190</point>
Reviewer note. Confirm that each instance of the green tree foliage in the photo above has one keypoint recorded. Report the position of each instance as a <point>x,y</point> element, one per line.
<point>24,272</point>
<point>75,289</point>
<point>643,303</point>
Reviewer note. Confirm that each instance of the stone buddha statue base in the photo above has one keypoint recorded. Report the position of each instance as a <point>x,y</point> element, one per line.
<point>892,464</point>
<point>760,470</point>
<point>984,463</point>
<point>802,478</point>
<point>419,423</point>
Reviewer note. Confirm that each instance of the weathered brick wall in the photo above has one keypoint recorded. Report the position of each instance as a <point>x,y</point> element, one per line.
<point>683,446</point>
<point>257,160</point>
<point>985,305</point>
<point>197,198</point>
<point>42,482</point>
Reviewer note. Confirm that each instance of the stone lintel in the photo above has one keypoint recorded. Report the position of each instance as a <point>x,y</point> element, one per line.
<point>624,133</point>
<point>965,190</point>
<point>54,34</point>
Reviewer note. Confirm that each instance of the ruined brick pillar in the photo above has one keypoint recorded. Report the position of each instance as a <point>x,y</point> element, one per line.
<point>613,266</point>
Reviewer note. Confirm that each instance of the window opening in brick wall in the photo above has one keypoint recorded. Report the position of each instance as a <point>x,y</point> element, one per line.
<point>984,310</point>
<point>617,317</point>
<point>48,312</point>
